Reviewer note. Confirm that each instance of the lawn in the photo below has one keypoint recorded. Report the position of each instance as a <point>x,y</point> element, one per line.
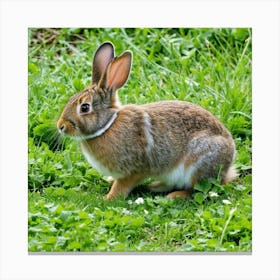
<point>66,209</point>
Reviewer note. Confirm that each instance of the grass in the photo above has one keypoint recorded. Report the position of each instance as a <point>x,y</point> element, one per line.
<point>67,212</point>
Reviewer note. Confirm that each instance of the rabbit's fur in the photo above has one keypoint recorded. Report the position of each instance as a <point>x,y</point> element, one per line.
<point>177,143</point>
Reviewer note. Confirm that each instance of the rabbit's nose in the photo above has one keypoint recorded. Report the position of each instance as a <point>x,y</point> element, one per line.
<point>61,126</point>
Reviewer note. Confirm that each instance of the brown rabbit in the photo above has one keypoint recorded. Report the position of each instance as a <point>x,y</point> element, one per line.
<point>177,143</point>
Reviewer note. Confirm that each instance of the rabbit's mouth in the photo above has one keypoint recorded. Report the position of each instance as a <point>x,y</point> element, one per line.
<point>66,127</point>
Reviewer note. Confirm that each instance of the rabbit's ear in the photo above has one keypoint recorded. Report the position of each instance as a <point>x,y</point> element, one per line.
<point>118,71</point>
<point>103,56</point>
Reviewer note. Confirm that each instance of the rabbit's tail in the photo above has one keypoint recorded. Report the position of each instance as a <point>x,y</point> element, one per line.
<point>230,175</point>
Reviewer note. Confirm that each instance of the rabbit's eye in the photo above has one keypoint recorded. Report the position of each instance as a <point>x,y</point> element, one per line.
<point>85,108</point>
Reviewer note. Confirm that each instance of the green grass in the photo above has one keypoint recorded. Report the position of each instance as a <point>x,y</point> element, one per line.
<point>67,212</point>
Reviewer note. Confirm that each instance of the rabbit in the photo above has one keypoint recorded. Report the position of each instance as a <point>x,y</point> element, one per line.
<point>176,143</point>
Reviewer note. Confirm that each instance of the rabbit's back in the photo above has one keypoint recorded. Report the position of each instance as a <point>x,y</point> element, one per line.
<point>183,119</point>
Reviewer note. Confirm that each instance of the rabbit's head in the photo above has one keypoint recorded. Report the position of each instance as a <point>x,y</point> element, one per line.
<point>91,111</point>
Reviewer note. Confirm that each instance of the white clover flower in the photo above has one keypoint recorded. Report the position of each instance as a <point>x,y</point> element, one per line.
<point>126,212</point>
<point>146,212</point>
<point>225,201</point>
<point>139,200</point>
<point>213,194</point>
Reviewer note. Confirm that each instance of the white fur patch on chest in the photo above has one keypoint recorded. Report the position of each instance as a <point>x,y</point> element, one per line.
<point>179,177</point>
<point>99,166</point>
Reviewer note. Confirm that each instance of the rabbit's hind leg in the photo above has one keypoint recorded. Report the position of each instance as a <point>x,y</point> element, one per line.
<point>212,155</point>
<point>179,194</point>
